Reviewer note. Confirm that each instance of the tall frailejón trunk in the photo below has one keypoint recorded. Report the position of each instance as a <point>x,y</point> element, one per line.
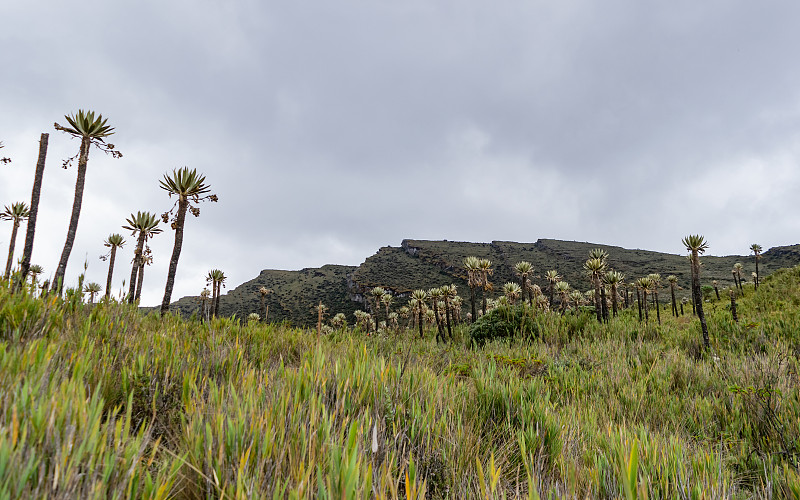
<point>658,308</point>
<point>757,281</point>
<point>183,204</point>
<point>216,302</point>
<point>137,259</point>
<point>111,270</point>
<point>639,303</point>
<point>447,318</point>
<point>646,309</point>
<point>614,300</point>
<point>11,245</point>
<point>530,292</point>
<point>140,281</point>
<point>61,270</point>
<point>698,298</point>
<point>603,304</point>
<point>598,308</point>
<point>376,313</point>
<point>439,331</point>
<point>34,210</point>
<point>419,322</point>
<point>212,303</point>
<point>674,303</point>
<point>524,284</point>
<point>472,303</point>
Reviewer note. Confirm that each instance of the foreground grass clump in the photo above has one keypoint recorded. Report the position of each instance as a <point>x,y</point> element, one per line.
<point>102,402</point>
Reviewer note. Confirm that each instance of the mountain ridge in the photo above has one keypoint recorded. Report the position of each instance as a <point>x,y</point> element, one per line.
<point>430,263</point>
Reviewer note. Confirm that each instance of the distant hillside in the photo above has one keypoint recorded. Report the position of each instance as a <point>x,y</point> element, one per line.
<point>294,293</point>
<point>425,264</point>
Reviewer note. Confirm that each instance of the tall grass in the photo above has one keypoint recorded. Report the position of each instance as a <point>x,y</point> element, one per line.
<point>102,402</point>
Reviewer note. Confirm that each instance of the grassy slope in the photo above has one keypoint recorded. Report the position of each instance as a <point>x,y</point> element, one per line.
<point>184,410</point>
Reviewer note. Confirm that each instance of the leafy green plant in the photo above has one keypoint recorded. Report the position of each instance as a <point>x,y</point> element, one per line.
<point>504,322</point>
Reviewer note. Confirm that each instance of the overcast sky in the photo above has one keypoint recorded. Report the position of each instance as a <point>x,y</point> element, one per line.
<point>330,129</point>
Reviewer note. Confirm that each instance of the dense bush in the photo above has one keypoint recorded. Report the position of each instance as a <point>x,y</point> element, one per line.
<point>504,322</point>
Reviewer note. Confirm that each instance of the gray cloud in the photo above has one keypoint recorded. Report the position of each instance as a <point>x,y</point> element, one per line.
<point>330,129</point>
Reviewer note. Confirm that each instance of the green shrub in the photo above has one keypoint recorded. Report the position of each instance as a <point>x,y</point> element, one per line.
<point>504,322</point>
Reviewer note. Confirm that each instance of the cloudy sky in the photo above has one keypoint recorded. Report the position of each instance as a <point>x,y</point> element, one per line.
<point>329,129</point>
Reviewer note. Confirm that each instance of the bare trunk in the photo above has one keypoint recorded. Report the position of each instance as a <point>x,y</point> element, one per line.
<point>646,309</point>
<point>674,303</point>
<point>639,303</point>
<point>614,300</point>
<point>212,307</point>
<point>111,270</point>
<point>183,204</point>
<point>658,309</point>
<point>598,308</point>
<point>139,284</point>
<point>733,307</point>
<point>439,331</point>
<point>698,298</point>
<point>80,182</point>
<point>603,304</point>
<point>757,282</point>
<point>11,245</point>
<point>137,258</point>
<point>34,210</point>
<point>530,292</point>
<point>375,313</point>
<point>447,316</point>
<point>216,303</point>
<point>472,302</point>
<point>525,290</point>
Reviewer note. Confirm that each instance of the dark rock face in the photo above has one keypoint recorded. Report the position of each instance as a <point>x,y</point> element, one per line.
<point>424,264</point>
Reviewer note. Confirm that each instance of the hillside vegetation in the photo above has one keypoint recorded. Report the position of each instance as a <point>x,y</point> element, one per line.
<point>104,402</point>
<point>419,264</point>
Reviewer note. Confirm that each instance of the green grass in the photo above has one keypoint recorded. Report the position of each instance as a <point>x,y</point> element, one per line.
<point>104,402</point>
